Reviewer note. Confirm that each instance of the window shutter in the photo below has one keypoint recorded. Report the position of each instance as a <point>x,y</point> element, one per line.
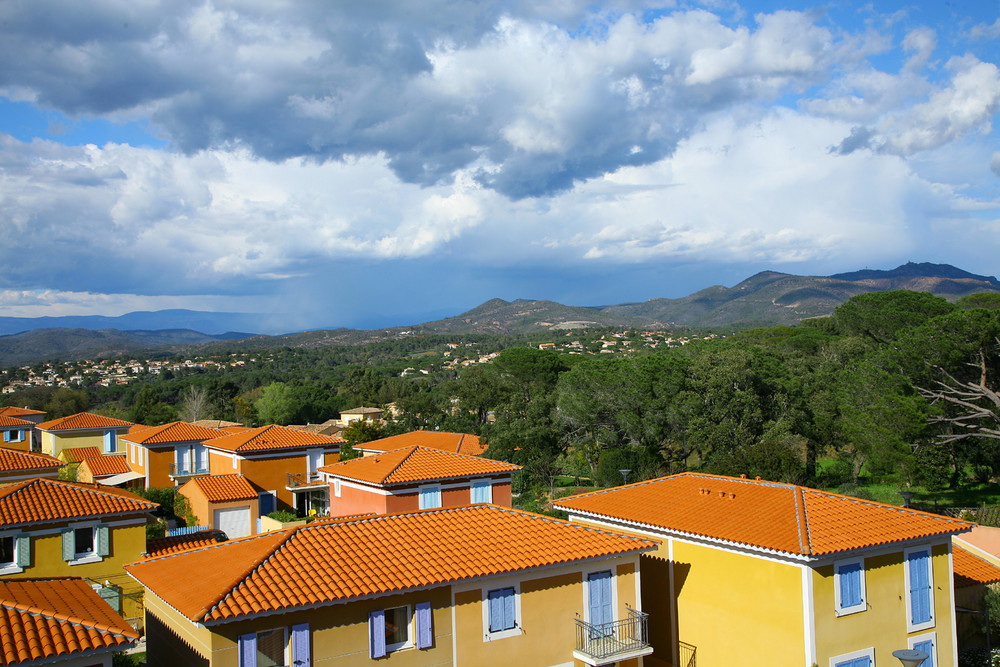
<point>850,585</point>
<point>920,587</point>
<point>376,632</point>
<point>68,544</point>
<point>481,492</point>
<point>111,595</point>
<point>6,436</point>
<point>23,551</point>
<point>300,645</point>
<point>102,545</point>
<point>508,609</point>
<point>425,629</point>
<point>495,599</point>
<point>928,648</point>
<point>248,650</point>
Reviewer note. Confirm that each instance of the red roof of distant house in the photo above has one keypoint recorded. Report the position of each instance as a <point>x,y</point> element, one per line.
<point>43,500</point>
<point>271,437</point>
<point>416,464</point>
<point>8,422</point>
<point>13,460</point>
<point>766,515</point>
<point>105,466</point>
<point>77,454</point>
<point>460,443</point>
<point>170,433</point>
<point>46,619</point>
<point>82,420</point>
<point>12,411</point>
<point>224,488</point>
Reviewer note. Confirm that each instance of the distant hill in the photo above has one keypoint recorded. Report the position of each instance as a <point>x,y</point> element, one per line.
<point>765,299</point>
<point>195,320</point>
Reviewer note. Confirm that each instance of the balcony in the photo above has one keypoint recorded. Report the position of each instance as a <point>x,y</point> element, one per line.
<point>611,642</point>
<point>297,481</point>
<point>189,471</point>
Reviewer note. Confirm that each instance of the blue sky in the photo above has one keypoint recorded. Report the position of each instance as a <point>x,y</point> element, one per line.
<point>373,163</point>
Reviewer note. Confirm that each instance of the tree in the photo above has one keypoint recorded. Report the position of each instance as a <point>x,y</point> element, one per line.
<point>65,402</point>
<point>358,433</point>
<point>977,402</point>
<point>275,404</point>
<point>147,408</point>
<point>880,316</point>
<point>195,404</point>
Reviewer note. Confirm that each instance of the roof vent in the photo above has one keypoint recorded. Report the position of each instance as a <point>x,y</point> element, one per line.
<point>743,476</point>
<point>757,478</point>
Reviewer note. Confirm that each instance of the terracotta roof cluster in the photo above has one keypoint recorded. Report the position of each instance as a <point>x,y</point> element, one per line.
<point>7,422</point>
<point>101,466</point>
<point>41,500</point>
<point>163,546</point>
<point>12,411</point>
<point>416,464</point>
<point>970,569</point>
<point>78,454</point>
<point>331,561</point>
<point>765,515</point>
<point>82,420</point>
<point>459,443</point>
<point>42,619</point>
<point>224,488</point>
<point>13,460</point>
<point>171,433</point>
<point>271,437</point>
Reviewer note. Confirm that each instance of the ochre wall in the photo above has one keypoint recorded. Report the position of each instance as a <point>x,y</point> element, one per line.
<point>54,442</point>
<point>356,501</point>
<point>883,625</point>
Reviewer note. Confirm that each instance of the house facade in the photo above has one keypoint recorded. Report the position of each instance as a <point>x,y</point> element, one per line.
<point>413,478</point>
<point>169,454</point>
<point>16,433</point>
<point>83,429</point>
<point>224,502</point>
<point>477,585</point>
<point>34,417</point>
<point>803,577</point>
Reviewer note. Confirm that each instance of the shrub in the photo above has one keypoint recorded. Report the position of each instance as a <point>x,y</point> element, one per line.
<point>284,516</point>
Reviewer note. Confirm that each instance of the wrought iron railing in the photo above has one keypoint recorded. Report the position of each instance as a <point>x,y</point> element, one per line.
<point>297,479</point>
<point>687,654</point>
<point>187,472</point>
<point>604,641</point>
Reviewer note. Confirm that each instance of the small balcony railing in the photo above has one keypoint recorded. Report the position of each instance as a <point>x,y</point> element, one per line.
<point>298,479</point>
<point>688,655</point>
<point>188,471</point>
<point>610,642</point>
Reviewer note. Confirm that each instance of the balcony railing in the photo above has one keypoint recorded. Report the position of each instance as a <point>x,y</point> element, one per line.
<point>688,655</point>
<point>190,471</point>
<point>297,479</point>
<point>613,641</point>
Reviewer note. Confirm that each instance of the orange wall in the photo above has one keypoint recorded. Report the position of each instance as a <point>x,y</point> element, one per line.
<point>205,510</point>
<point>356,501</point>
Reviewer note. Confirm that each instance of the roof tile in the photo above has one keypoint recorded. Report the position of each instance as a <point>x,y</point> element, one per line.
<point>459,443</point>
<point>224,488</point>
<point>767,515</point>
<point>43,500</point>
<point>13,411</point>
<point>77,454</point>
<point>416,464</point>
<point>971,570</point>
<point>100,466</point>
<point>271,437</point>
<point>170,433</point>
<point>8,422</point>
<point>82,420</point>
<point>177,543</point>
<point>13,460</point>
<point>370,556</point>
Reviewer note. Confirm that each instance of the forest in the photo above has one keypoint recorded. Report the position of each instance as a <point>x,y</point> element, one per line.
<point>894,390</point>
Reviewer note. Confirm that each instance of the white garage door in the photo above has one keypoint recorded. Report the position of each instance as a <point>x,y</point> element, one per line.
<point>234,522</point>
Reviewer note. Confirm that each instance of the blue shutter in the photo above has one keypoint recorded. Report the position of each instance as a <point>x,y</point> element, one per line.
<point>376,634</point>
<point>496,610</point>
<point>920,587</point>
<point>599,597</point>
<point>425,628</point>
<point>855,662</point>
<point>850,585</point>
<point>928,648</point>
<point>300,645</point>
<point>248,650</point>
<point>266,502</point>
<point>6,436</point>
<point>109,441</point>
<point>509,612</point>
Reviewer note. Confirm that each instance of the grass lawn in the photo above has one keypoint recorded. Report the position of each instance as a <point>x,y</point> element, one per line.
<point>967,495</point>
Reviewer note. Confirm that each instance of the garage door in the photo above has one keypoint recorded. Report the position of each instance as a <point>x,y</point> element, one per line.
<point>234,522</point>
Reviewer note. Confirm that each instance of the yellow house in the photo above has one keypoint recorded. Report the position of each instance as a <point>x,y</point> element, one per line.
<point>84,429</point>
<point>51,528</point>
<point>781,574</point>
<point>475,585</point>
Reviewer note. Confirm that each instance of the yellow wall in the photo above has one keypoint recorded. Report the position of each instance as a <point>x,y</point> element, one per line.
<point>54,442</point>
<point>883,625</point>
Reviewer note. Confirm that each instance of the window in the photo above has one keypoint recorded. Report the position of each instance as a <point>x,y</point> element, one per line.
<point>336,488</point>
<point>501,611</point>
<point>389,630</point>
<point>15,553</point>
<point>85,544</point>
<point>928,644</point>
<point>600,598</point>
<point>863,658</point>
<point>142,454</point>
<point>430,497</point>
<point>110,441</point>
<point>315,462</point>
<point>849,586</point>
<point>482,491</point>
<point>919,589</point>
<point>13,436</point>
<point>271,648</point>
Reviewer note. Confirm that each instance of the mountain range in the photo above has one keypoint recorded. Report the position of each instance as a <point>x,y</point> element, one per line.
<point>765,299</point>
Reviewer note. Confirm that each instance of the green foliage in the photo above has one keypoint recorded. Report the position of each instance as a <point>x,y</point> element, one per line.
<point>147,408</point>
<point>640,463</point>
<point>165,497</point>
<point>935,469</point>
<point>284,516</point>
<point>881,315</point>
<point>275,404</point>
<point>64,402</point>
<point>773,459</point>
<point>987,300</point>
<point>155,530</point>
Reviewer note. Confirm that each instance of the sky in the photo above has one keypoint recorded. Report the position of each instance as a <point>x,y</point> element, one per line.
<point>368,163</point>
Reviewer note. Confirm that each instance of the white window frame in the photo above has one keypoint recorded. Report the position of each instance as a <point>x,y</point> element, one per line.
<point>910,625</point>
<point>503,634</point>
<point>863,605</point>
<point>141,454</point>
<point>932,638</point>
<point>94,556</point>
<point>429,487</point>
<point>287,649</point>
<point>854,655</point>
<point>488,483</point>
<point>408,643</point>
<point>13,567</point>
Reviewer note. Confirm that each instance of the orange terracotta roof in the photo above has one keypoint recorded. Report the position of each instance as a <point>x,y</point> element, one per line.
<point>332,561</point>
<point>77,454</point>
<point>970,569</point>
<point>7,422</point>
<point>163,546</point>
<point>271,437</point>
<point>171,433</point>
<point>766,515</point>
<point>214,423</point>
<point>12,460</point>
<point>459,443</point>
<point>100,466</point>
<point>223,488</point>
<point>12,411</point>
<point>82,420</point>
<point>416,464</point>
<point>42,619</point>
<point>43,500</point>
